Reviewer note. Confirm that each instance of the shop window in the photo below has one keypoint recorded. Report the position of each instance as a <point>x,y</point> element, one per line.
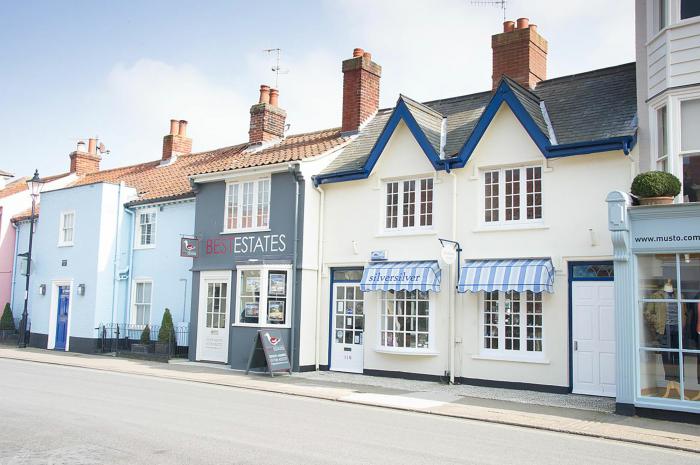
<point>669,329</point>
<point>247,205</point>
<point>263,296</point>
<point>141,307</point>
<point>408,204</point>
<point>405,320</point>
<point>513,195</point>
<point>512,323</point>
<point>66,229</point>
<point>146,229</point>
<point>690,9</point>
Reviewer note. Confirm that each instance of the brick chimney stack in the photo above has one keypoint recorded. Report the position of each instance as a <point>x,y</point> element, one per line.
<point>520,53</point>
<point>82,162</point>
<point>360,90</point>
<point>176,143</point>
<point>266,118</point>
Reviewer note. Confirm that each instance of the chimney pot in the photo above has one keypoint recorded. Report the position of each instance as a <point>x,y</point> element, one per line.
<point>176,143</point>
<point>264,94</point>
<point>174,127</point>
<point>508,26</point>
<point>360,90</point>
<point>182,131</point>
<point>358,52</point>
<point>274,96</point>
<point>92,146</point>
<point>522,56</point>
<point>533,27</point>
<point>522,23</point>
<point>81,146</point>
<point>367,55</point>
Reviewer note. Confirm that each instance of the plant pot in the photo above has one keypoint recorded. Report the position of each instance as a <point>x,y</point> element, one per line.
<point>656,200</point>
<point>141,348</point>
<point>162,348</point>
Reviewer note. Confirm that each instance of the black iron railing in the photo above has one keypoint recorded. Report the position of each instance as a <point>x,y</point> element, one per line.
<point>121,337</point>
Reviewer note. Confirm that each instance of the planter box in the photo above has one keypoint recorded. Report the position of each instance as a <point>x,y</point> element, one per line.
<point>162,348</point>
<point>656,200</point>
<point>141,348</point>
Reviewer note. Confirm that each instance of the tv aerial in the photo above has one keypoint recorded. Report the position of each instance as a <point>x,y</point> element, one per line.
<point>276,67</point>
<point>502,4</point>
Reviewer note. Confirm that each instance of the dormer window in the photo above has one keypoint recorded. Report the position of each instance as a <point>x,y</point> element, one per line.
<point>247,205</point>
<point>408,204</point>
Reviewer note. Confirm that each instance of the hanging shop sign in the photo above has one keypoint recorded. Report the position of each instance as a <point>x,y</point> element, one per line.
<point>269,352</point>
<point>246,244</point>
<point>189,247</point>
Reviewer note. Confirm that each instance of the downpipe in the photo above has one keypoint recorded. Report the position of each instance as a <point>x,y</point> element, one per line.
<point>319,278</point>
<point>294,170</point>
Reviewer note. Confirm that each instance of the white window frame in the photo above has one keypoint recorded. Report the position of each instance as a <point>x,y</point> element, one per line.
<point>264,296</point>
<point>256,182</point>
<point>417,205</point>
<point>501,353</point>
<point>432,334</point>
<point>502,222</point>
<point>139,228</point>
<point>61,226</point>
<point>134,312</point>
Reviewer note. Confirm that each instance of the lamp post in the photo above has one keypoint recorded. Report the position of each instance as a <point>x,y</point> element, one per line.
<point>35,185</point>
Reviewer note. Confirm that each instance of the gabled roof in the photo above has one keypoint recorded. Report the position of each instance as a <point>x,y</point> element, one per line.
<point>582,113</point>
<point>20,184</point>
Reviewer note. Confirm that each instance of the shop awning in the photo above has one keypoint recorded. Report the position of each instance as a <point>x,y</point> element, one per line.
<point>532,274</point>
<point>409,276</point>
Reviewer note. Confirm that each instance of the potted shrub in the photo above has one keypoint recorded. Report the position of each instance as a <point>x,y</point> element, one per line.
<point>7,323</point>
<point>166,334</point>
<point>144,345</point>
<point>655,187</point>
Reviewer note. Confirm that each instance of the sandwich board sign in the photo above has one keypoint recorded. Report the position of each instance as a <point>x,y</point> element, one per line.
<point>270,352</point>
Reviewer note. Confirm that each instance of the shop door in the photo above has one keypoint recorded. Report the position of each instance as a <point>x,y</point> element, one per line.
<point>212,320</point>
<point>348,328</point>
<point>62,317</point>
<point>593,330</point>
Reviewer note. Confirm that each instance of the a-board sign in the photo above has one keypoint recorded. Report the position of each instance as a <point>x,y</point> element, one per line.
<point>269,351</point>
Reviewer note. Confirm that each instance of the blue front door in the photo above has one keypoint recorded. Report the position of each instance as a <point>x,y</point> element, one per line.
<point>62,317</point>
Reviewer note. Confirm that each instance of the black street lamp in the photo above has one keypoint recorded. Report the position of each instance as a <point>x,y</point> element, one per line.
<point>35,185</point>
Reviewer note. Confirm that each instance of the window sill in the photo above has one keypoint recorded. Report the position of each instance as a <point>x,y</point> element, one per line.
<point>406,232</point>
<point>427,352</point>
<point>261,326</point>
<point>65,244</point>
<point>144,247</point>
<point>505,358</point>
<point>511,227</point>
<point>244,231</point>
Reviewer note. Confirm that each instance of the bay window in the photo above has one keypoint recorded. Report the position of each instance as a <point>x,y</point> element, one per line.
<point>405,320</point>
<point>408,204</point>
<point>690,149</point>
<point>512,195</point>
<point>511,323</point>
<point>247,205</point>
<point>263,296</point>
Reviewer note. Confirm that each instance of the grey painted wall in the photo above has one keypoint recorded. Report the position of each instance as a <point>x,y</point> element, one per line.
<point>224,251</point>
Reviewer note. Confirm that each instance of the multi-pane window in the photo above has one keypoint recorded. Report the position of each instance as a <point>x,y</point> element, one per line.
<point>408,204</point>
<point>217,294</point>
<point>512,322</point>
<point>67,227</point>
<point>405,319</point>
<point>247,205</point>
<point>141,314</point>
<point>263,296</point>
<point>513,195</point>
<point>147,228</point>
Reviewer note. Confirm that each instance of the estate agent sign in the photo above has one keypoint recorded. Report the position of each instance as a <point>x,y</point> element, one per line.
<point>268,342</point>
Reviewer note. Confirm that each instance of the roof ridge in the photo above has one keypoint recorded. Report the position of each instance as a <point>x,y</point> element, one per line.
<point>421,106</point>
<point>122,168</point>
<point>518,86</point>
<point>584,73</point>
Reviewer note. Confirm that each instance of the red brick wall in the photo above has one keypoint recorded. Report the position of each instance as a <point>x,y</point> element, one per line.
<point>521,55</point>
<point>266,123</point>
<point>360,91</point>
<point>174,144</point>
<point>83,163</point>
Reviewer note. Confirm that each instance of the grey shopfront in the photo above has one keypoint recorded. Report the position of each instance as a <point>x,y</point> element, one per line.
<point>657,300</point>
<point>246,275</point>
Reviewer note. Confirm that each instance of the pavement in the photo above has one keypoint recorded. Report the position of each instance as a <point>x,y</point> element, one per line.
<point>445,401</point>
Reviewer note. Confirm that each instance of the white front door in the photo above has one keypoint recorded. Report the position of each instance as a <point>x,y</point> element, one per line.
<point>593,330</point>
<point>213,320</point>
<point>348,328</point>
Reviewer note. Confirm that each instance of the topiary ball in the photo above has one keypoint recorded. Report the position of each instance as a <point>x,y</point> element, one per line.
<point>656,184</point>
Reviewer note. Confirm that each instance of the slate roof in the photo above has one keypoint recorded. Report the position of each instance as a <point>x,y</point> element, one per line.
<point>584,107</point>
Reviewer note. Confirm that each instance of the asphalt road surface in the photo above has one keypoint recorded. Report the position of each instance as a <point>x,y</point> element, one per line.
<point>62,415</point>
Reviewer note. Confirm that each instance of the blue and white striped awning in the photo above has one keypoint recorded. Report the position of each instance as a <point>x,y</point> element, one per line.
<point>409,276</point>
<point>530,274</point>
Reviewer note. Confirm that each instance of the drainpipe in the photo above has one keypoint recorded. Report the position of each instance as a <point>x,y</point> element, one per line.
<point>294,170</point>
<point>14,266</point>
<point>319,279</point>
<point>132,234</point>
<point>453,296</point>
<point>116,251</point>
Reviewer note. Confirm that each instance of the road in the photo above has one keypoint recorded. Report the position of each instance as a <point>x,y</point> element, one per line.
<point>64,415</point>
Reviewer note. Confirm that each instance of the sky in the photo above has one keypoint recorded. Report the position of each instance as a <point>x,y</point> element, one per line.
<point>121,70</point>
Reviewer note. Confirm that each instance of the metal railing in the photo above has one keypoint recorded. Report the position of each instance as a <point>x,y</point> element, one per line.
<point>11,336</point>
<point>122,337</point>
